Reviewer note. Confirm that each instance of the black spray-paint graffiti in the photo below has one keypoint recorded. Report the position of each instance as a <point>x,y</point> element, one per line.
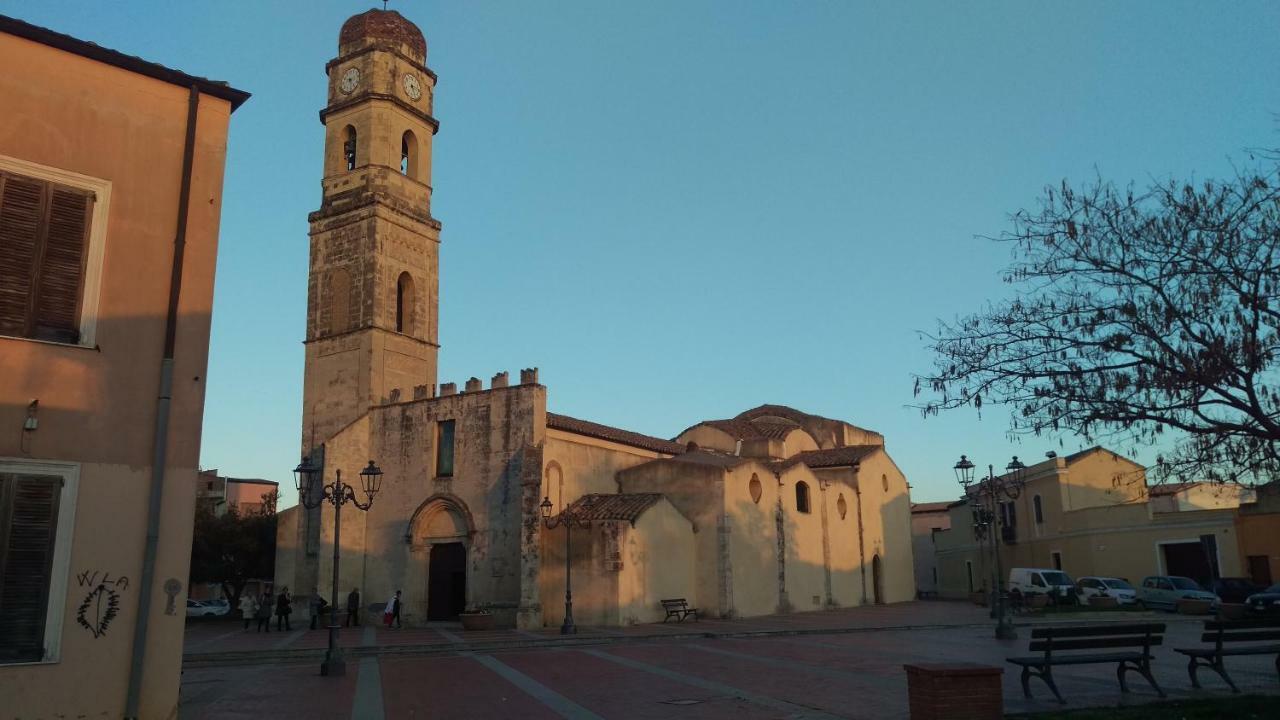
<point>102,604</point>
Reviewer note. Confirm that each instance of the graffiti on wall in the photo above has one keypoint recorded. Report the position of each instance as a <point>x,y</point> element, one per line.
<point>101,605</point>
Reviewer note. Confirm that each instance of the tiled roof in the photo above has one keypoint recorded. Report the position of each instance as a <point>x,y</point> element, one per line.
<point>835,457</point>
<point>705,457</point>
<point>621,506</point>
<point>612,434</point>
<point>776,428</point>
<point>930,507</point>
<point>132,63</point>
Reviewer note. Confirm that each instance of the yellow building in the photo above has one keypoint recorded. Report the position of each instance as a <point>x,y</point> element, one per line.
<point>1258,529</point>
<point>774,510</point>
<point>1091,513</point>
<point>105,159</point>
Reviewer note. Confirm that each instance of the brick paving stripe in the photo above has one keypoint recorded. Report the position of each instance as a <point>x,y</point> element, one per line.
<point>545,695</point>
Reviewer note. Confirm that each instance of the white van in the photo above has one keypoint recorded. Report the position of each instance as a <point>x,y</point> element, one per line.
<point>1041,581</point>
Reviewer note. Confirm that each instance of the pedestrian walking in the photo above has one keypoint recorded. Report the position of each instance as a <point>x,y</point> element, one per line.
<point>392,615</point>
<point>284,606</point>
<point>248,609</point>
<point>353,607</point>
<point>316,605</point>
<point>263,612</point>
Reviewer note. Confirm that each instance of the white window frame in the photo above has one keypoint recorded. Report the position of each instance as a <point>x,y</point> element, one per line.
<point>96,250</point>
<point>60,572</point>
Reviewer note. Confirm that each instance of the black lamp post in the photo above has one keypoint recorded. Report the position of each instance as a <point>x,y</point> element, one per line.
<point>990,492</point>
<point>569,521</point>
<point>312,493</point>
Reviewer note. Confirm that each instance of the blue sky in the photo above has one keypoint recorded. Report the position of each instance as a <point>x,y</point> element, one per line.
<point>678,210</point>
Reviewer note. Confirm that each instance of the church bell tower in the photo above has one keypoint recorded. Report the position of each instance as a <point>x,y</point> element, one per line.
<point>373,290</point>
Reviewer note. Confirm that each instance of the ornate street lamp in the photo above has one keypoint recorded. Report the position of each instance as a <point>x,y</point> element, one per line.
<point>987,496</point>
<point>569,521</point>
<point>312,493</point>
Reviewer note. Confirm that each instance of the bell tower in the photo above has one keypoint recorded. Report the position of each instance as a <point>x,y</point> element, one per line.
<point>373,290</point>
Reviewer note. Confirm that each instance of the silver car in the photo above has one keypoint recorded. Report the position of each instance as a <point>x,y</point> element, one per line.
<point>1093,586</point>
<point>1164,591</point>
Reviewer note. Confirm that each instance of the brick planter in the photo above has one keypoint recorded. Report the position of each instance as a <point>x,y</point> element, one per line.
<point>954,691</point>
<point>978,598</point>
<point>1233,611</point>
<point>1187,606</point>
<point>1103,602</point>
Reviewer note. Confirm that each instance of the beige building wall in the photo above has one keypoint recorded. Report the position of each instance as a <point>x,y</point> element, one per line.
<point>657,557</point>
<point>121,133</point>
<point>575,465</point>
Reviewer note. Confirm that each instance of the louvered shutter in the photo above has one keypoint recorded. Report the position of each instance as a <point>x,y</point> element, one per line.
<point>28,521</point>
<point>21,209</point>
<point>57,301</point>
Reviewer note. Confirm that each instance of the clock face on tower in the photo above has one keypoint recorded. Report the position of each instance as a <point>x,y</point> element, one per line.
<point>411,86</point>
<point>350,80</point>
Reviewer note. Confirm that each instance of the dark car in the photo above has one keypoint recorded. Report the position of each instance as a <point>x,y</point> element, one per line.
<point>1267,601</point>
<point>1233,590</point>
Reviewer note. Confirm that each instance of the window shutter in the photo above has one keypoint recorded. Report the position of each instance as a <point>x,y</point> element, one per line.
<point>28,520</point>
<point>57,314</point>
<point>21,207</point>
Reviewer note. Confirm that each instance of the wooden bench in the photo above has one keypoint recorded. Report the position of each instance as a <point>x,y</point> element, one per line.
<point>1053,640</point>
<point>678,608</point>
<point>1262,630</point>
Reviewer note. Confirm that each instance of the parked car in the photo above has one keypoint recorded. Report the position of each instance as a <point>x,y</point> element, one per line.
<point>1267,601</point>
<point>206,608</point>
<point>1164,591</point>
<point>1233,590</point>
<point>1040,581</point>
<point>1091,586</point>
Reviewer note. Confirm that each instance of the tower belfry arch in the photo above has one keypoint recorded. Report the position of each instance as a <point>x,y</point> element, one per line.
<point>373,291</point>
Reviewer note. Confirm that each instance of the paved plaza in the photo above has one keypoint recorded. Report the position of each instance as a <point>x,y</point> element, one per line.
<point>837,664</point>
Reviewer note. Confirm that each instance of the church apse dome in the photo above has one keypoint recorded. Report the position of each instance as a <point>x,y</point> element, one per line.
<point>382,27</point>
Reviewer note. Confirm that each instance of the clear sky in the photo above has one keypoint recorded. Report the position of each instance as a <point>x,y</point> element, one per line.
<point>680,209</point>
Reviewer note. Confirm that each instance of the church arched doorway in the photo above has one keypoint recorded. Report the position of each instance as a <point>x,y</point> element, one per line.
<point>446,581</point>
<point>442,527</point>
<point>877,579</point>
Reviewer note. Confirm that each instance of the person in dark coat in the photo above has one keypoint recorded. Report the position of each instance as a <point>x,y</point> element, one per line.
<point>284,606</point>
<point>264,612</point>
<point>318,607</point>
<point>353,607</point>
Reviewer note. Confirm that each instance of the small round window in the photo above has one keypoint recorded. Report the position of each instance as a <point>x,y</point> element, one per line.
<point>756,488</point>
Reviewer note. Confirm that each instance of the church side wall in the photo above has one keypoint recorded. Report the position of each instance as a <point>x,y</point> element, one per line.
<point>347,451</point>
<point>575,465</point>
<point>847,565</point>
<point>753,540</point>
<point>657,562</point>
<point>697,492</point>
<point>887,527</point>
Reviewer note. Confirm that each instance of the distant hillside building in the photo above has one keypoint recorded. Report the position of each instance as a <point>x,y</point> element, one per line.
<point>771,511</point>
<point>244,495</point>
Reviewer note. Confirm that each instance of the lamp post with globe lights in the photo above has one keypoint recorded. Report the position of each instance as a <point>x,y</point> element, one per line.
<point>312,493</point>
<point>988,494</point>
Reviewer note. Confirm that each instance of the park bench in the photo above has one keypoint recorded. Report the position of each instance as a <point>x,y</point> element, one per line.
<point>1053,641</point>
<point>1262,630</point>
<point>678,608</point>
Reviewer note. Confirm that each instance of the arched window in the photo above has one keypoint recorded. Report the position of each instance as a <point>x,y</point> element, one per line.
<point>409,154</point>
<point>802,497</point>
<point>404,304</point>
<point>349,147</point>
<point>339,301</point>
<point>1035,501</point>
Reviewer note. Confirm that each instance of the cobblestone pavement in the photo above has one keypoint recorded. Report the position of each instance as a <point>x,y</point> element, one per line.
<point>837,664</point>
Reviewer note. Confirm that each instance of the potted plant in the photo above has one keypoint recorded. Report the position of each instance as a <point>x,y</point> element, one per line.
<point>476,618</point>
<point>1233,611</point>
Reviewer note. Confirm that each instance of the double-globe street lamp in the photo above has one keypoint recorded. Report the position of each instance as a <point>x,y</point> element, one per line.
<point>990,492</point>
<point>569,521</point>
<point>312,493</point>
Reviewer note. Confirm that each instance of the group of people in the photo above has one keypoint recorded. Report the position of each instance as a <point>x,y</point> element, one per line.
<point>260,609</point>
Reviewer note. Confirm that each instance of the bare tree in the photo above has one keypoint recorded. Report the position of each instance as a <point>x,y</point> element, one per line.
<point>1147,318</point>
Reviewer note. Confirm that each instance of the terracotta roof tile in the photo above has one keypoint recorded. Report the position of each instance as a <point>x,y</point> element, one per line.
<point>1170,488</point>
<point>930,507</point>
<point>621,506</point>
<point>835,457</point>
<point>612,434</point>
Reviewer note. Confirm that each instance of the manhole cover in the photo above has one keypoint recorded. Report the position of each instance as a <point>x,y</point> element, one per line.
<point>680,702</point>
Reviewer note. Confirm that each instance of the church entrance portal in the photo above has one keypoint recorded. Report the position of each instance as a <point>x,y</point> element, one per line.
<point>447,581</point>
<point>877,580</point>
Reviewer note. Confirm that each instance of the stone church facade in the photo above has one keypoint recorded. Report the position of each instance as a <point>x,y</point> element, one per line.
<point>774,510</point>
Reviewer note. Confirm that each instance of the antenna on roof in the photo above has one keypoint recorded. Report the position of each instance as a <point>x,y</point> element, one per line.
<point>1051,454</point>
<point>384,4</point>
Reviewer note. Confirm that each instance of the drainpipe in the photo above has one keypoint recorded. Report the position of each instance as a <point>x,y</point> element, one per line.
<point>161,441</point>
<point>862,553</point>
